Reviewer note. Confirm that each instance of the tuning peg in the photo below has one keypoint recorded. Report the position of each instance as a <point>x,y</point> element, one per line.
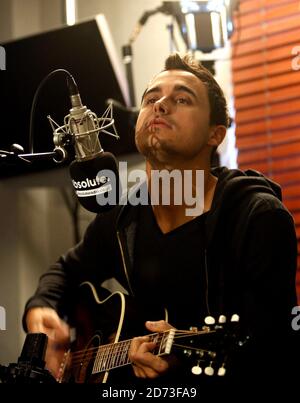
<point>222,319</point>
<point>221,371</point>
<point>209,370</point>
<point>187,352</point>
<point>197,370</point>
<point>235,318</point>
<point>209,320</point>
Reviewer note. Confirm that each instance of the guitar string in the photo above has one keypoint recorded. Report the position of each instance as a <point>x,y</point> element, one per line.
<point>104,364</point>
<point>178,334</point>
<point>118,347</point>
<point>107,351</point>
<point>115,350</point>
<point>107,365</point>
<point>108,357</point>
<point>192,348</point>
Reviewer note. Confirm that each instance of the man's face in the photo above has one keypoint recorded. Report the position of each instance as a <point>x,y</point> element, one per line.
<point>174,120</point>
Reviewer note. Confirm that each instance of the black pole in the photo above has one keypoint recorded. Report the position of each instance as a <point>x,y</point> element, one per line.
<point>127,60</point>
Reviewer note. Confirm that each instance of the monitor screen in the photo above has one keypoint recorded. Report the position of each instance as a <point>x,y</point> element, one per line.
<point>87,51</point>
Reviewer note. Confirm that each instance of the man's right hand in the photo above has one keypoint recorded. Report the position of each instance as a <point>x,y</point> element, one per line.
<point>46,320</point>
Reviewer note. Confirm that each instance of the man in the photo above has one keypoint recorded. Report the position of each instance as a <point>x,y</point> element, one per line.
<point>236,255</point>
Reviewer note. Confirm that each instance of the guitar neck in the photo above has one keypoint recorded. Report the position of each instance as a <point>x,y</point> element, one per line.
<point>115,355</point>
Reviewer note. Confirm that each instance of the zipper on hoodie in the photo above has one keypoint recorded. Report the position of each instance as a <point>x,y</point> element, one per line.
<point>124,263</point>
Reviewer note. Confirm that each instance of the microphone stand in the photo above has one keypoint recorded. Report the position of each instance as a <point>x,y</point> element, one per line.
<point>127,49</point>
<point>127,60</point>
<point>16,154</point>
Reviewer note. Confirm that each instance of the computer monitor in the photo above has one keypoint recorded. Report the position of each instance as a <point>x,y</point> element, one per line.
<point>87,51</point>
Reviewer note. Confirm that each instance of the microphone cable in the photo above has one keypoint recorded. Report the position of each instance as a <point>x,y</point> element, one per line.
<point>17,151</point>
<point>34,102</point>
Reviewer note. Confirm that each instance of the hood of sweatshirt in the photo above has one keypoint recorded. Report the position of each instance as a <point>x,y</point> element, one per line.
<point>234,189</point>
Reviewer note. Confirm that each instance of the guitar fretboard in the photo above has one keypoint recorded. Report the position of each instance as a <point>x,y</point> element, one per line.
<point>115,355</point>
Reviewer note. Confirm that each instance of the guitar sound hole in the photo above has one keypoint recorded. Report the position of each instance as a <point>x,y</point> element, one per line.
<point>83,362</point>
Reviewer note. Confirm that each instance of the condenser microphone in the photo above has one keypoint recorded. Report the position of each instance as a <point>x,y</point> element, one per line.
<point>94,173</point>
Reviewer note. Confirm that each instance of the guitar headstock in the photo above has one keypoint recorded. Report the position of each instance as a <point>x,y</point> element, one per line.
<point>211,347</point>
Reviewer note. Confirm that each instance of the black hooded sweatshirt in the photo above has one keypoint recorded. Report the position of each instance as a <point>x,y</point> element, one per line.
<point>249,257</point>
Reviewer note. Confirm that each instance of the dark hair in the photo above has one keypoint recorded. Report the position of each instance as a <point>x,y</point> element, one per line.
<point>217,101</point>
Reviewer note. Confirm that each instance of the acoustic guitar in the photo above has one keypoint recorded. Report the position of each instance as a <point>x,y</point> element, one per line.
<point>100,350</point>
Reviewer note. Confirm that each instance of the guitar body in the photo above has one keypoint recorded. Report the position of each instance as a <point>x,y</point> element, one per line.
<point>102,320</point>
